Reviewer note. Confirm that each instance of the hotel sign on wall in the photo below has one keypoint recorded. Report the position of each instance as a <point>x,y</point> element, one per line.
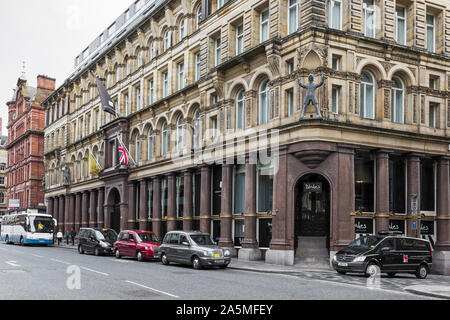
<point>312,187</point>
<point>364,226</point>
<point>14,203</point>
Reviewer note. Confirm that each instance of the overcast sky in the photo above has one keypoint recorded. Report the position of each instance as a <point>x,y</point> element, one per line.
<point>48,35</point>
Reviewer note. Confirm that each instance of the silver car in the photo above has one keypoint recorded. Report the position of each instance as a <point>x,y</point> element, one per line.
<point>193,248</point>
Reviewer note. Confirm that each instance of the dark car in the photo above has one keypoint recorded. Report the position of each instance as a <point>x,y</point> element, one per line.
<point>137,243</point>
<point>388,252</point>
<point>96,240</point>
<point>193,248</point>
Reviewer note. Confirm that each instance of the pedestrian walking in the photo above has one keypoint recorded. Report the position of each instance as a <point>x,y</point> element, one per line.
<point>67,236</point>
<point>59,236</point>
<point>72,235</point>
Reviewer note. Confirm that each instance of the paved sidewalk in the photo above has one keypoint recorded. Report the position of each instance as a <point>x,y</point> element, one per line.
<point>442,292</point>
<point>261,266</point>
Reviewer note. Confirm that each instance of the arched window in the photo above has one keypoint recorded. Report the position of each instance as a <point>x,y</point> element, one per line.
<point>367,95</point>
<point>180,134</point>
<point>397,100</point>
<point>152,49</point>
<point>128,66</point>
<point>199,17</point>
<point>240,110</point>
<point>166,42</point>
<point>117,74</point>
<point>137,151</point>
<point>196,127</point>
<point>140,58</point>
<point>182,29</point>
<point>150,144</point>
<point>264,106</point>
<point>164,140</point>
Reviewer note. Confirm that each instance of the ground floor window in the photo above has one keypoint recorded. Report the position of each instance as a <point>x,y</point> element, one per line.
<point>239,227</point>
<point>216,230</point>
<point>397,185</point>
<point>195,224</point>
<point>364,182</point>
<point>265,232</point>
<point>265,187</point>
<point>164,197</point>
<point>180,196</point>
<point>150,200</point>
<point>239,189</point>
<point>427,185</point>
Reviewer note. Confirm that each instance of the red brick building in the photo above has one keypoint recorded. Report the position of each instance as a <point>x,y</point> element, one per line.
<point>26,122</point>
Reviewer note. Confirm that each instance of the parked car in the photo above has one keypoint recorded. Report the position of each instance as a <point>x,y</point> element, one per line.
<point>96,240</point>
<point>193,248</point>
<point>387,251</point>
<point>136,243</point>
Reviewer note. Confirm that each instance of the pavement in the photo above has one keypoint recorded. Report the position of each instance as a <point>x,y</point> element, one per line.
<point>434,286</point>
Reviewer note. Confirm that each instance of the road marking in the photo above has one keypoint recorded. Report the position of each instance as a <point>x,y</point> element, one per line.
<point>56,260</point>
<point>140,285</point>
<point>121,261</point>
<point>36,255</point>
<point>102,273</point>
<point>12,263</point>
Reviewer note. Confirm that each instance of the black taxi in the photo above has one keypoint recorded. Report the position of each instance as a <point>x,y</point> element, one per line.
<point>387,252</point>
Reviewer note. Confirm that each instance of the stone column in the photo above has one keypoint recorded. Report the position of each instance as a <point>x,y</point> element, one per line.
<point>61,214</point>
<point>50,207</point>
<point>413,189</point>
<point>171,203</point>
<point>143,198</point>
<point>56,209</point>
<point>131,206</point>
<point>441,258</point>
<point>187,208</point>
<point>67,217</point>
<point>205,199</point>
<point>101,209</point>
<point>250,249</point>
<point>77,212</point>
<point>226,216</point>
<point>156,221</point>
<point>93,208</point>
<point>382,192</point>
<point>84,210</point>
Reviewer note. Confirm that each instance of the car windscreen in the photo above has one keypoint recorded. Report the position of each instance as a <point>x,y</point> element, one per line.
<point>202,239</point>
<point>146,237</point>
<point>107,234</point>
<point>366,242</point>
<point>41,224</point>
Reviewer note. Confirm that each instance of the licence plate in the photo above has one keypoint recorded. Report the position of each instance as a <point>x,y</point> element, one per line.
<point>217,255</point>
<point>343,264</point>
<point>220,261</point>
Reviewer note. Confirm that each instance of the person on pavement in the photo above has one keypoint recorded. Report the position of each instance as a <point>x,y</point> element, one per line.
<point>59,236</point>
<point>67,236</point>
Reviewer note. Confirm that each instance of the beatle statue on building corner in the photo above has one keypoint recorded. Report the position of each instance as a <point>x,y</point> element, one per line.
<point>311,93</point>
<point>66,175</point>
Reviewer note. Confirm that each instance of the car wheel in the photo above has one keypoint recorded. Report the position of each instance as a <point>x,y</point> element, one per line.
<point>391,274</point>
<point>7,240</point>
<point>118,256</point>
<point>140,257</point>
<point>80,249</point>
<point>341,272</point>
<point>371,270</point>
<point>196,263</point>
<point>422,272</point>
<point>164,260</point>
<point>96,252</point>
<point>21,241</point>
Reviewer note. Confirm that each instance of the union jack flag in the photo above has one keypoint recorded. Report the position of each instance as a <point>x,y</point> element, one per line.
<point>124,156</point>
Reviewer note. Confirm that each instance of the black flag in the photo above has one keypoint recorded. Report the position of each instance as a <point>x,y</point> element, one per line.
<point>105,98</point>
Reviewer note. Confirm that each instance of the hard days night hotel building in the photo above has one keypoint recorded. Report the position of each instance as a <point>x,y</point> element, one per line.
<point>203,88</point>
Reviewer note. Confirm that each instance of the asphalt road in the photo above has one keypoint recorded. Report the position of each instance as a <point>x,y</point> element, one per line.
<point>49,273</point>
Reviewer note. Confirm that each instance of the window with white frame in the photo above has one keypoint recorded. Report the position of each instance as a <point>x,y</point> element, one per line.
<point>431,34</point>
<point>400,16</point>
<point>264,26</point>
<point>140,60</point>
<point>265,186</point>
<point>290,102</point>
<point>335,14</point>
<point>239,189</point>
<point>164,139</point>
<point>128,66</point>
<point>165,84</point>
<point>150,144</point>
<point>197,66</point>
<point>264,106</point>
<point>240,110</point>
<point>179,134</point>
<point>219,4</point>
<point>152,50</point>
<point>239,39</point>
<point>369,18</point>
<point>367,95</point>
<point>217,51</point>
<point>127,104</point>
<point>138,98</point>
<point>335,96</point>
<point>151,86</point>
<point>397,100</point>
<point>199,17</point>
<point>432,116</point>
<point>137,154</point>
<point>166,40</point>
<point>292,16</point>
<point>196,129</point>
<point>182,28</point>
<point>180,76</point>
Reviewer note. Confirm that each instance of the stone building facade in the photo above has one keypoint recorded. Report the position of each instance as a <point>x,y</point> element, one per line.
<point>25,147</point>
<point>3,177</point>
<point>209,107</point>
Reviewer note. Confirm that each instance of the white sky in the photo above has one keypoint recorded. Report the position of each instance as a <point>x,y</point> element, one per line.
<point>47,35</point>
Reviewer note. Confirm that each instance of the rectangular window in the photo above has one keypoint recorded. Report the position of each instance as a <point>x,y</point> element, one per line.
<point>290,101</point>
<point>334,14</point>
<point>293,16</point>
<point>335,96</point>
<point>238,231</point>
<point>197,66</point>
<point>336,62</point>
<point>290,66</point>
<point>264,232</point>
<point>431,36</point>
<point>427,185</point>
<point>397,185</point>
<point>217,51</point>
<point>214,132</point>
<point>239,39</point>
<point>138,98</point>
<point>369,18</point>
<point>127,105</point>
<point>264,26</point>
<point>433,115</point>
<point>364,182</point>
<point>239,189</point>
<point>400,14</point>
<point>165,84</point>
<point>265,187</point>
<point>152,91</point>
<point>180,76</point>
<point>180,196</point>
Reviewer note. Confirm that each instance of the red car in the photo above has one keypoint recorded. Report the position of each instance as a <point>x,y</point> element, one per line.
<point>137,243</point>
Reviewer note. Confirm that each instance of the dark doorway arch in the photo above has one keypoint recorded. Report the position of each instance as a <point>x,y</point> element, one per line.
<point>312,208</point>
<point>114,210</point>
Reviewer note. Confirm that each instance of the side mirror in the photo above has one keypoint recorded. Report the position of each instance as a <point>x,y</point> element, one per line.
<point>185,243</point>
<point>386,249</point>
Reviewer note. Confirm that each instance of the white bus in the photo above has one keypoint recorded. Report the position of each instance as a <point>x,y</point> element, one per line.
<point>27,228</point>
